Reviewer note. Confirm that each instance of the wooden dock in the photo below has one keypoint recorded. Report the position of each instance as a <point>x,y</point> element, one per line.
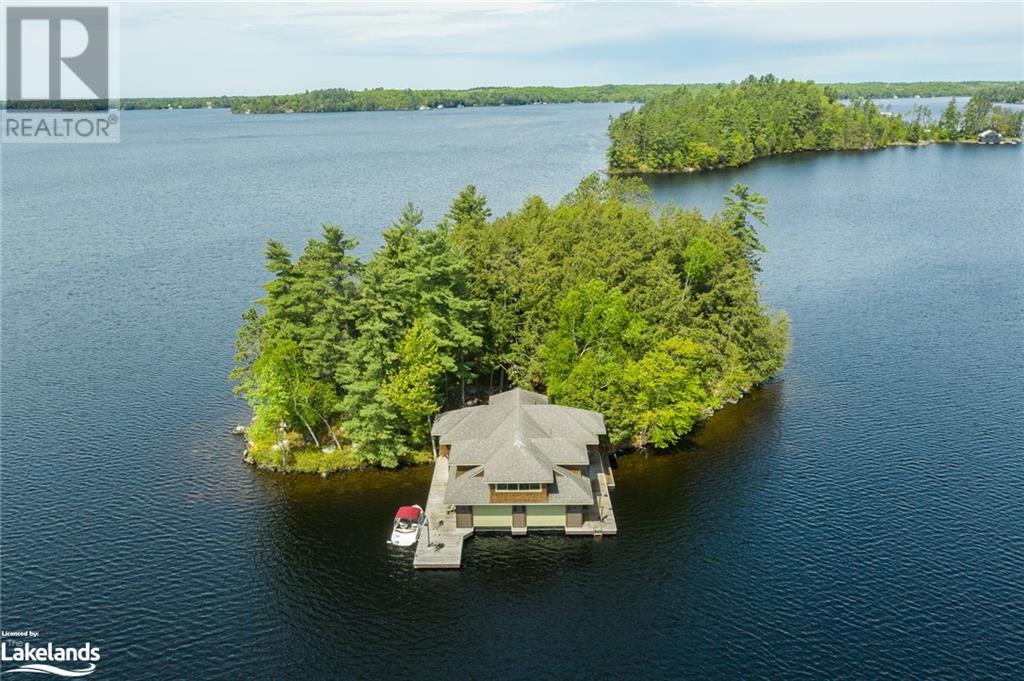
<point>440,541</point>
<point>600,519</point>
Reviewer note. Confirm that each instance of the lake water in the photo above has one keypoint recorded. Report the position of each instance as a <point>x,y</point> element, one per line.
<point>858,517</point>
<point>905,105</point>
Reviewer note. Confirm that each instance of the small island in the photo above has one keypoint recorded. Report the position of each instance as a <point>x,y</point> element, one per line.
<point>693,129</point>
<point>603,302</point>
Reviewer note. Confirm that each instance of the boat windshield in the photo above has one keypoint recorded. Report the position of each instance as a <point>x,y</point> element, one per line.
<point>404,525</point>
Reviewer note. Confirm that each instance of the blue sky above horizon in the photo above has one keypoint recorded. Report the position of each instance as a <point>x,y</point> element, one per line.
<point>170,49</point>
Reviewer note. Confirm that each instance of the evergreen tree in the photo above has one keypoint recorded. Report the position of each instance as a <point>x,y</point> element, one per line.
<point>950,121</point>
<point>448,307</point>
<point>469,209</point>
<point>387,308</point>
<point>327,291</point>
<point>371,420</point>
<point>741,204</point>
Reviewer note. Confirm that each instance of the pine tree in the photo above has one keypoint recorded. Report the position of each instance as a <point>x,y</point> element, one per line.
<point>741,204</point>
<point>447,306</point>
<point>950,121</point>
<point>371,420</point>
<point>387,307</point>
<point>327,291</point>
<point>469,209</point>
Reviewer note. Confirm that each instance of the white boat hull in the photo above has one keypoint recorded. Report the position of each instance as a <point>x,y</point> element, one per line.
<point>406,534</point>
<point>405,538</point>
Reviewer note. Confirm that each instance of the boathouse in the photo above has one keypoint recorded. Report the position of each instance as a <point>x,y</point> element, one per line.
<point>989,137</point>
<point>520,463</point>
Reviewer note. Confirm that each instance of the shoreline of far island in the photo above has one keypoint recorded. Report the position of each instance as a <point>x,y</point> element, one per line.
<point>1012,141</point>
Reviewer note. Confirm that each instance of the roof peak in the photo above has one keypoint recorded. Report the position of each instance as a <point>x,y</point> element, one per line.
<point>517,396</point>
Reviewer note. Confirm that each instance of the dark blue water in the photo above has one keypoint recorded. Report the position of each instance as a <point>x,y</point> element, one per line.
<point>858,517</point>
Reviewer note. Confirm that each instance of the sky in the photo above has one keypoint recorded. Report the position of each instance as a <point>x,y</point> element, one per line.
<point>198,48</point>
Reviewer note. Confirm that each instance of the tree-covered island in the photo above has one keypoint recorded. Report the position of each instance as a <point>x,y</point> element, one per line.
<point>693,129</point>
<point>652,317</point>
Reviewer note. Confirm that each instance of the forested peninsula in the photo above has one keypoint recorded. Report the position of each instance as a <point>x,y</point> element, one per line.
<point>729,125</point>
<point>652,317</point>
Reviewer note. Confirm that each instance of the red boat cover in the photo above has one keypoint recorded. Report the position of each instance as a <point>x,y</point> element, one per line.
<point>407,513</point>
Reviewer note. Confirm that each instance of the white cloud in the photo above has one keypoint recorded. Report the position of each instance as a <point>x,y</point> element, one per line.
<point>531,26</point>
<point>272,47</point>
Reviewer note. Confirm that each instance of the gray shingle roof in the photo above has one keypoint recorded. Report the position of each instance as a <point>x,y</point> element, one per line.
<point>570,488</point>
<point>518,461</point>
<point>535,418</point>
<point>517,396</point>
<point>519,437</point>
<point>566,488</point>
<point>468,488</point>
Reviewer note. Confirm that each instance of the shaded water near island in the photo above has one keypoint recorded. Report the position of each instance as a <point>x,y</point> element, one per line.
<point>857,517</point>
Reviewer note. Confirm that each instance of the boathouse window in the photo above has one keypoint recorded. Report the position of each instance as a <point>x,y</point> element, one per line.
<point>518,487</point>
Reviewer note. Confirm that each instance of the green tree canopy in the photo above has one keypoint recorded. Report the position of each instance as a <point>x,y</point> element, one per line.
<point>652,317</point>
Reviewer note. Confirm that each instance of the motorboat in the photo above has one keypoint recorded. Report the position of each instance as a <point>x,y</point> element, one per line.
<point>408,521</point>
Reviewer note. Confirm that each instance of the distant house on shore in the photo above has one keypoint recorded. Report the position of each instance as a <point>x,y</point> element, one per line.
<point>521,463</point>
<point>989,137</point>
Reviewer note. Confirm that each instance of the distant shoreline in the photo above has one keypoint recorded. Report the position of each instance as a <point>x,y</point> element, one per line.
<point>337,100</point>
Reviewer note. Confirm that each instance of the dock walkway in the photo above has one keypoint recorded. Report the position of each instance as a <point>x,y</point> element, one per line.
<point>440,542</point>
<point>600,518</point>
